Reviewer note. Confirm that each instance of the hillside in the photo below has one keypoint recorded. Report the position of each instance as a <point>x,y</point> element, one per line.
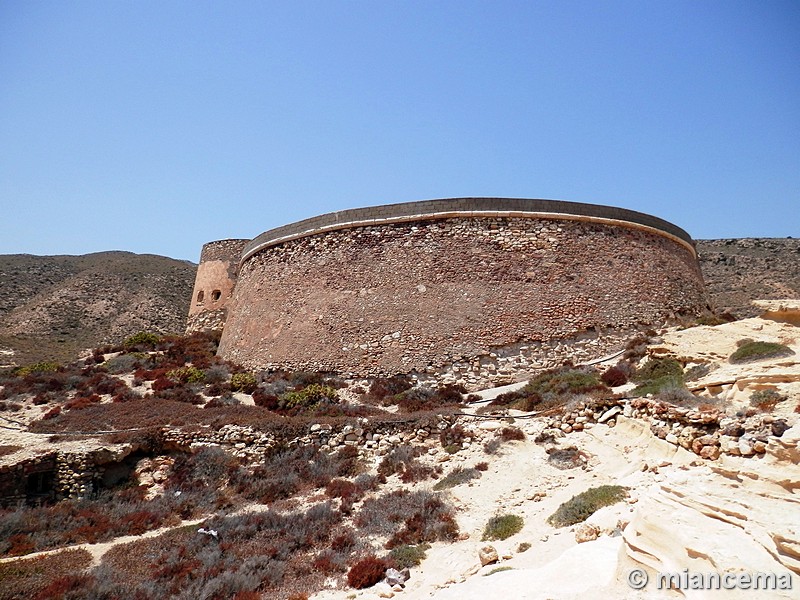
<point>738,271</point>
<point>53,307</point>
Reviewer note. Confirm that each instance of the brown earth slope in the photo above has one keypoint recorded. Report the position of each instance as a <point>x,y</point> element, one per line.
<point>53,307</point>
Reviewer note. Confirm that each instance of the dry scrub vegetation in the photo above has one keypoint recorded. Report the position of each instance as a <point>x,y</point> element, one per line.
<point>314,514</point>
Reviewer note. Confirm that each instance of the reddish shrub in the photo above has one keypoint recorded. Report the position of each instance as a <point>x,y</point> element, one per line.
<point>325,564</point>
<point>163,383</point>
<point>341,488</point>
<point>383,387</point>
<point>508,434</point>
<point>140,521</point>
<point>20,544</point>
<point>81,402</point>
<point>52,413</point>
<point>614,377</point>
<point>62,586</point>
<point>343,542</point>
<point>41,399</point>
<point>366,572</point>
<point>265,400</point>
<point>482,466</point>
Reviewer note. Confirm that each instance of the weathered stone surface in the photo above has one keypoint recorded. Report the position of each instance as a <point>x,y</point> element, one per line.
<point>493,286</point>
<point>488,555</point>
<point>586,532</point>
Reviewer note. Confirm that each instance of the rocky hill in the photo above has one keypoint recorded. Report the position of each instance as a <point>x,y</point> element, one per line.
<point>53,307</point>
<point>738,271</point>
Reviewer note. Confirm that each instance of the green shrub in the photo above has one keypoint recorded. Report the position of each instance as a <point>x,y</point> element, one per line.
<point>578,508</point>
<point>456,477</point>
<point>750,351</point>
<point>656,368</point>
<point>765,400</point>
<point>243,382</point>
<point>501,527</point>
<point>310,396</point>
<point>143,338</point>
<point>557,383</point>
<point>187,375</point>
<point>407,556</point>
<point>658,375</point>
<point>452,448</point>
<point>697,372</point>
<point>40,367</point>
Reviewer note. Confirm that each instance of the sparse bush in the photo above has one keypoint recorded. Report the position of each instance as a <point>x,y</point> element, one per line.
<point>426,518</point>
<point>482,466</point>
<point>766,400</point>
<point>346,490</point>
<point>557,384</point>
<point>310,396</point>
<point>456,477</point>
<point>492,446</point>
<point>579,508</point>
<point>405,557</point>
<point>501,527</point>
<point>187,374</point>
<point>243,382</point>
<point>366,572</point>
<point>37,368</point>
<point>519,400</point>
<point>697,372</point>
<point>523,547</point>
<point>52,413</point>
<point>566,458</point>
<point>750,350</point>
<point>614,377</point>
<point>123,363</point>
<point>384,387</point>
<point>656,368</point>
<point>660,375</point>
<point>142,340</point>
<point>511,434</point>
<point>402,461</point>
<point>636,348</point>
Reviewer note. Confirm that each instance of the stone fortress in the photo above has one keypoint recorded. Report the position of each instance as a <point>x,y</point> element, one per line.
<point>469,290</point>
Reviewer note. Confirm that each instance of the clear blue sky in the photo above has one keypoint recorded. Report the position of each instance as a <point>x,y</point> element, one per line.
<point>155,126</point>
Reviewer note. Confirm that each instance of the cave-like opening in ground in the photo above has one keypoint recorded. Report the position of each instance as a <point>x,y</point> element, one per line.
<point>40,487</point>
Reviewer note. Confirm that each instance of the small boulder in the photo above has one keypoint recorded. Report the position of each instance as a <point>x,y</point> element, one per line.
<point>586,532</point>
<point>395,577</point>
<point>488,555</point>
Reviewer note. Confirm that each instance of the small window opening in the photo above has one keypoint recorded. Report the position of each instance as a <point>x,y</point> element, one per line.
<point>200,296</point>
<point>215,295</point>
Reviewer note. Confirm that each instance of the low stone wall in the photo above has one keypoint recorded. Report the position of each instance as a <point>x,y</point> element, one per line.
<point>707,433</point>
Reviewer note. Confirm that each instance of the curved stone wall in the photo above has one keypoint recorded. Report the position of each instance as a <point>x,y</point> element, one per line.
<point>464,295</point>
<point>214,285</point>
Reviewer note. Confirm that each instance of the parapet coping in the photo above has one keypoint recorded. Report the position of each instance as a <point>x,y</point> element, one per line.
<point>334,221</point>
